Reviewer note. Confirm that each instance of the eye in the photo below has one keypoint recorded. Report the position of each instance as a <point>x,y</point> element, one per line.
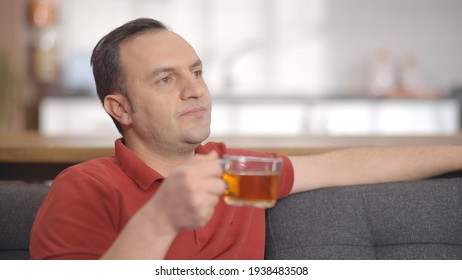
<point>164,80</point>
<point>197,73</point>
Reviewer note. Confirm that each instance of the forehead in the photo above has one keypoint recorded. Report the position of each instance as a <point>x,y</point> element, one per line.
<point>157,47</point>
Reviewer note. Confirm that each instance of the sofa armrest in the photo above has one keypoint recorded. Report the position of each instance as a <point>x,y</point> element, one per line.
<point>402,220</point>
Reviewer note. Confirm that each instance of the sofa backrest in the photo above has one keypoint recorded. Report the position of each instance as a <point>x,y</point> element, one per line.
<point>405,220</point>
<point>19,202</point>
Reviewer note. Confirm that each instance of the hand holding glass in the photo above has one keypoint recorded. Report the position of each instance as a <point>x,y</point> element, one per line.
<point>252,181</point>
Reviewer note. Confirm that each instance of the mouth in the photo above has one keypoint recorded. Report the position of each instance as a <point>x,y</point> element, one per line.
<point>194,112</point>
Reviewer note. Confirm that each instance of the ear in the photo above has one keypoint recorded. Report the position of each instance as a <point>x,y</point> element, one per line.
<point>118,107</point>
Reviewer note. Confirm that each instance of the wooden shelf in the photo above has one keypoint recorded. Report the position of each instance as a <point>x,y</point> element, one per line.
<point>35,148</point>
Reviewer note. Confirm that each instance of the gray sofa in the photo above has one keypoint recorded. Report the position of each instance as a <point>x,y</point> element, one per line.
<point>19,202</point>
<point>408,220</point>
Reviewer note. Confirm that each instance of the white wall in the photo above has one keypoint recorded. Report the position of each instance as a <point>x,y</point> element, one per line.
<point>284,47</point>
<point>298,46</point>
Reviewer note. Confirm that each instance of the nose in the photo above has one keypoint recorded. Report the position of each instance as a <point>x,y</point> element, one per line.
<point>193,87</point>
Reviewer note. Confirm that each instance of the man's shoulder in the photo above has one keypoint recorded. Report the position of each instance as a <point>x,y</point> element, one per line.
<point>97,166</point>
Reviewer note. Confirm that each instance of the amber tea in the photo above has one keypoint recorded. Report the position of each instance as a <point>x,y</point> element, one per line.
<point>251,180</point>
<point>256,189</point>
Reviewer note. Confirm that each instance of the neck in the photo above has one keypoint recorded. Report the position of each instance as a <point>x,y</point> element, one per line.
<point>161,159</point>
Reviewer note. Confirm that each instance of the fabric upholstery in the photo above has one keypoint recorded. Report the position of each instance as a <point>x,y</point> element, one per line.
<point>19,202</point>
<point>404,220</point>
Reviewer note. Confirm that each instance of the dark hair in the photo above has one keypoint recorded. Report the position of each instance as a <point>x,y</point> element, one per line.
<point>105,60</point>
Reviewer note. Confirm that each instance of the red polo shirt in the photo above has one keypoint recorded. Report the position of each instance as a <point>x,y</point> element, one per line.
<point>90,203</point>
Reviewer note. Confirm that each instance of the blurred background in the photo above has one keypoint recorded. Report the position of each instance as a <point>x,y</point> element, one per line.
<point>274,67</point>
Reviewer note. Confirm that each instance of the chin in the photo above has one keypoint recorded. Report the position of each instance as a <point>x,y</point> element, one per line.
<point>197,136</point>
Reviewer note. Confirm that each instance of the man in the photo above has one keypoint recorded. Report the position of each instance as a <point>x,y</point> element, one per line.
<point>160,195</point>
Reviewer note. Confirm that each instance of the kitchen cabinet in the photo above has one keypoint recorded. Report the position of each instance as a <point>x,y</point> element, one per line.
<point>335,116</point>
<point>281,115</point>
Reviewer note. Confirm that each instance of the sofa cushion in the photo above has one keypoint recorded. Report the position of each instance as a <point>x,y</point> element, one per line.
<point>404,220</point>
<point>19,202</point>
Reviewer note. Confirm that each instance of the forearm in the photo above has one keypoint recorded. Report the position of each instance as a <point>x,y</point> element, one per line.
<point>374,165</point>
<point>144,237</point>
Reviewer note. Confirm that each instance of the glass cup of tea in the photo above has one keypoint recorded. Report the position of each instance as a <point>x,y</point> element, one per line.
<point>252,181</point>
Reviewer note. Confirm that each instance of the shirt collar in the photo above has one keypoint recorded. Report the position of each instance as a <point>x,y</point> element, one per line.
<point>134,167</point>
<point>140,172</point>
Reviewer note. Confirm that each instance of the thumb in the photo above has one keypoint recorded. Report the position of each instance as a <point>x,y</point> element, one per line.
<point>212,155</point>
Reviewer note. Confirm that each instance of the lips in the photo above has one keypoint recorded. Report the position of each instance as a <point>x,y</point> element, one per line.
<point>196,111</point>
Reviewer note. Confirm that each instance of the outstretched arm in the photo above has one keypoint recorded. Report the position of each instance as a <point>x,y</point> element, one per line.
<point>373,165</point>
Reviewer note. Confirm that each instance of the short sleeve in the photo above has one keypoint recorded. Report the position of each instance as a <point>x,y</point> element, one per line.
<point>75,220</point>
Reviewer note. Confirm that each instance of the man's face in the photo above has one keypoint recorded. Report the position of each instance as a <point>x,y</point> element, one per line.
<point>163,77</point>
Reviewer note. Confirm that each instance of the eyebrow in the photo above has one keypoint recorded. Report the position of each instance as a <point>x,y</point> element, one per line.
<point>161,70</point>
<point>196,64</point>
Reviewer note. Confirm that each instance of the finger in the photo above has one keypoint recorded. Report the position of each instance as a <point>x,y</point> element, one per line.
<point>215,186</point>
<point>210,166</point>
